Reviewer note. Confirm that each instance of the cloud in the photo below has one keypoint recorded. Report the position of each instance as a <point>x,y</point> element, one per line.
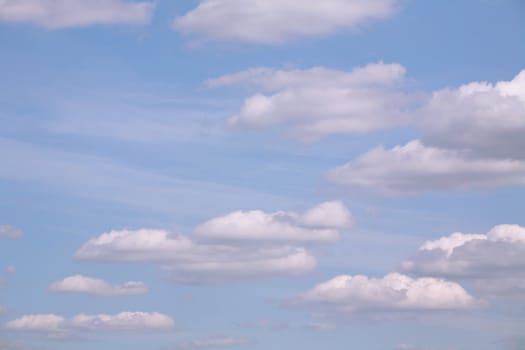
<point>320,326</point>
<point>485,119</point>
<point>10,269</point>
<point>87,285</point>
<point>56,14</point>
<point>319,101</point>
<point>415,168</point>
<point>10,232</point>
<point>191,262</point>
<point>264,324</point>
<point>214,342</point>
<point>125,321</point>
<point>273,21</point>
<point>319,224</point>
<point>3,310</point>
<point>493,263</point>
<point>394,292</point>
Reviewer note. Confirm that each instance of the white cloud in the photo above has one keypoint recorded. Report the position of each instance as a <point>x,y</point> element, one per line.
<point>320,326</point>
<point>55,14</point>
<point>87,285</point>
<point>472,254</point>
<point>274,21</point>
<point>48,323</point>
<point>124,321</point>
<point>319,224</point>
<point>10,232</point>
<point>191,262</point>
<point>493,263</point>
<point>415,168</point>
<point>317,102</point>
<point>214,342</point>
<point>486,119</point>
<point>394,292</point>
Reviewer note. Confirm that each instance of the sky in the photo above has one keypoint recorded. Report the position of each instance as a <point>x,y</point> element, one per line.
<point>262,174</point>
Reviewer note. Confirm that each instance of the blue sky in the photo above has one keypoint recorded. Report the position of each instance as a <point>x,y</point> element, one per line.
<point>262,174</point>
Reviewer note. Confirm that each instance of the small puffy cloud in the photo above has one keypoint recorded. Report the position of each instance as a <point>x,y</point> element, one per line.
<point>416,168</point>
<point>55,14</point>
<point>215,342</point>
<point>125,321</point>
<point>486,119</point>
<point>274,21</point>
<point>493,263</point>
<point>47,323</point>
<point>320,326</point>
<point>93,286</point>
<point>10,269</point>
<point>191,262</point>
<point>394,292</point>
<point>10,232</point>
<point>319,101</point>
<point>319,224</point>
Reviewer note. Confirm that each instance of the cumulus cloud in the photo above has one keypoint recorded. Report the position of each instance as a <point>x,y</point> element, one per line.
<point>394,292</point>
<point>318,224</point>
<point>493,263</point>
<point>93,286</point>
<point>486,119</point>
<point>214,342</point>
<point>10,232</point>
<point>319,101</point>
<point>273,21</point>
<point>124,321</point>
<point>416,168</point>
<point>191,262</point>
<point>55,14</point>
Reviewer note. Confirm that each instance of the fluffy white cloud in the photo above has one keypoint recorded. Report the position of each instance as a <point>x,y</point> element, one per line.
<point>10,232</point>
<point>274,21</point>
<point>214,342</point>
<point>87,285</point>
<point>493,263</point>
<point>48,323</point>
<point>191,262</point>
<point>486,119</point>
<point>124,321</point>
<point>319,101</point>
<point>318,224</point>
<point>393,292</point>
<point>416,168</point>
<point>56,14</point>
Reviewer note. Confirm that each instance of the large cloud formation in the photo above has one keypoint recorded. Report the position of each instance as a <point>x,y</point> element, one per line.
<point>123,322</point>
<point>221,251</point>
<point>274,21</point>
<point>55,14</point>
<point>394,292</point>
<point>319,101</point>
<point>415,168</point>
<point>494,262</point>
